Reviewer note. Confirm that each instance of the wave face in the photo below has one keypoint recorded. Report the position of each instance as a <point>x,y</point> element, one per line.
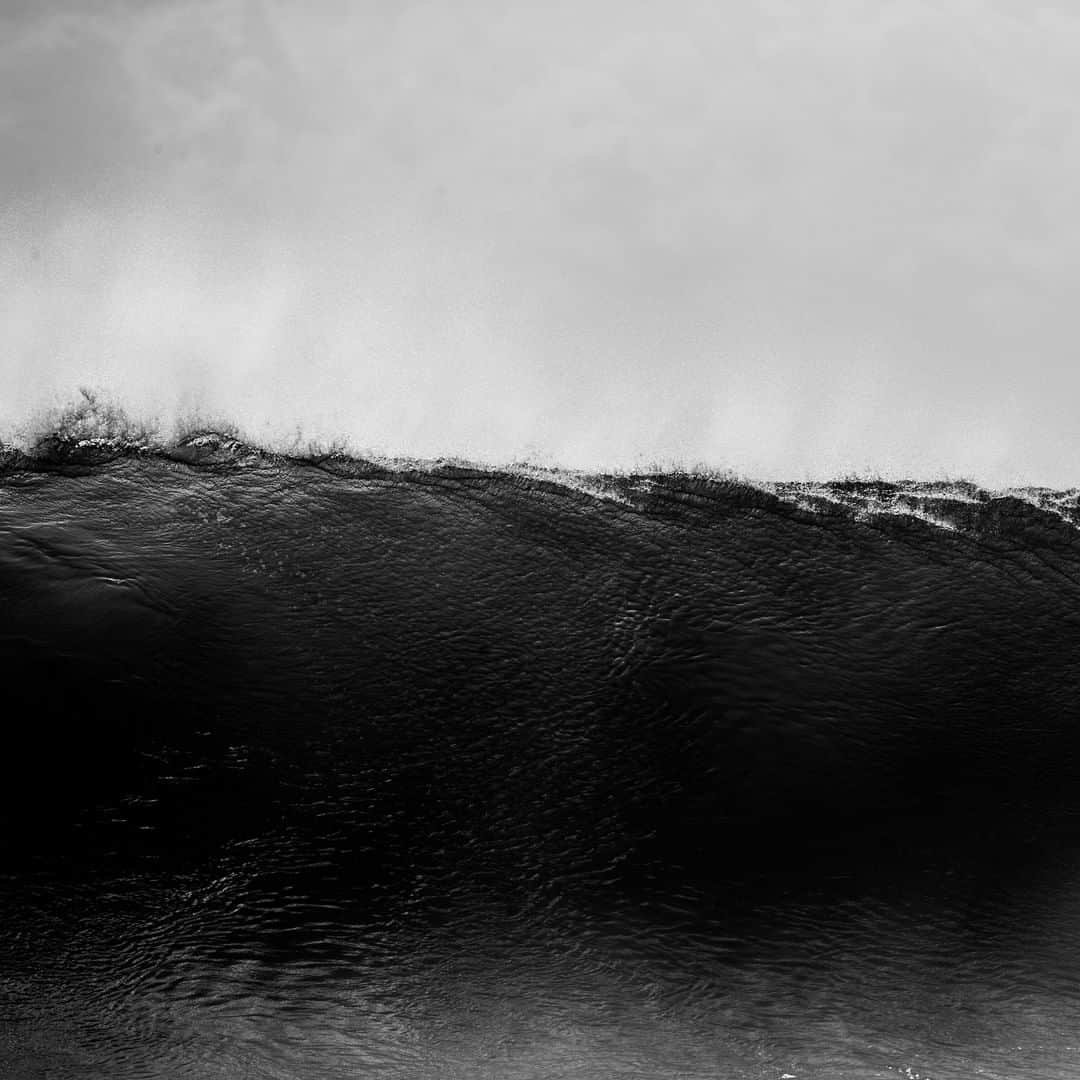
<point>332,768</point>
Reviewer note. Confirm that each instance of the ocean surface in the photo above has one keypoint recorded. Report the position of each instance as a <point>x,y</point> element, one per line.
<point>328,768</point>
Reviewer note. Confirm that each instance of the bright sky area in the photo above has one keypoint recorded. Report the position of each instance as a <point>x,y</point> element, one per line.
<point>790,239</point>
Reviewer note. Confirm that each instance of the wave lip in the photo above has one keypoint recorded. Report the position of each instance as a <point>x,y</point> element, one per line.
<point>958,506</point>
<point>93,432</point>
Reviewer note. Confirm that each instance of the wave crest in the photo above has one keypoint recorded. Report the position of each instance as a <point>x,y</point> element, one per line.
<point>93,432</point>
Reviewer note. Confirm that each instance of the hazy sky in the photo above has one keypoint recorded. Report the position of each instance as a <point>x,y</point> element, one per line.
<point>786,238</point>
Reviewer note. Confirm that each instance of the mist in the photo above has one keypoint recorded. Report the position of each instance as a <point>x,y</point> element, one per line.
<point>790,242</point>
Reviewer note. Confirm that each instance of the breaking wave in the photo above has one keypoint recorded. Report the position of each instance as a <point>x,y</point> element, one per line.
<point>320,764</point>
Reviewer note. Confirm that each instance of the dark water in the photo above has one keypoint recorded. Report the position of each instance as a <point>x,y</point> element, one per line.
<point>336,771</point>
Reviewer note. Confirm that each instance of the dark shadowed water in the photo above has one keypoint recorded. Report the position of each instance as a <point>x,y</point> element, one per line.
<point>327,771</point>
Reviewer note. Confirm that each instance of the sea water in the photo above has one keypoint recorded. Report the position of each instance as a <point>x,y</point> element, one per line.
<point>321,769</point>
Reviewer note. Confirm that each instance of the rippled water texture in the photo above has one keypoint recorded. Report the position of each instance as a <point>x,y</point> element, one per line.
<point>337,771</point>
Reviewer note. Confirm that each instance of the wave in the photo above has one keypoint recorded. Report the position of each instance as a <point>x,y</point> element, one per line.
<point>281,727</point>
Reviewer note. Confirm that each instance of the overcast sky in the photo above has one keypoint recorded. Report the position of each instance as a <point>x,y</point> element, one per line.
<point>785,238</point>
